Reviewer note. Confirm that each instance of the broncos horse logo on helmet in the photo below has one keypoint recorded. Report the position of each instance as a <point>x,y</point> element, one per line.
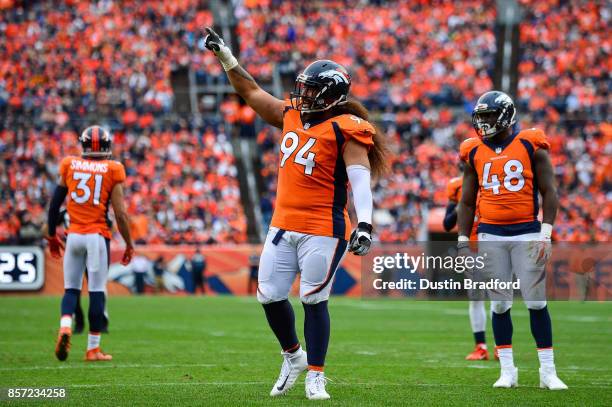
<point>323,85</point>
<point>96,142</point>
<point>494,112</point>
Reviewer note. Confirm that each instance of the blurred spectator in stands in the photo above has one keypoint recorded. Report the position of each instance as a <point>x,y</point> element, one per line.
<point>140,268</point>
<point>197,266</point>
<point>159,267</point>
<point>247,122</point>
<point>253,273</point>
<point>230,109</point>
<point>29,232</point>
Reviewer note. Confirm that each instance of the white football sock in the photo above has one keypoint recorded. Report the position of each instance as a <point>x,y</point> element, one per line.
<point>66,321</point>
<point>478,316</point>
<point>506,359</point>
<point>547,357</point>
<point>93,341</point>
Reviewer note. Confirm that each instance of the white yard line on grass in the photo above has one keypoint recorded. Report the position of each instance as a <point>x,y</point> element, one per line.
<point>259,383</point>
<point>106,365</point>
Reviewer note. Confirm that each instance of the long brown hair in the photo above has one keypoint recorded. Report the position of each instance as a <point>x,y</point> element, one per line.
<point>379,152</point>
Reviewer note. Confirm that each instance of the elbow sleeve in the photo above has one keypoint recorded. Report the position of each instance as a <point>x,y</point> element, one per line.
<point>53,218</point>
<point>359,177</point>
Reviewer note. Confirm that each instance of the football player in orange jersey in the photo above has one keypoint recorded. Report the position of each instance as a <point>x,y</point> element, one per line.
<point>79,319</point>
<point>477,311</point>
<point>91,182</point>
<point>326,143</point>
<point>506,169</point>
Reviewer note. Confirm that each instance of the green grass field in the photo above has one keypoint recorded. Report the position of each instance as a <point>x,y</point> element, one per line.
<point>219,351</point>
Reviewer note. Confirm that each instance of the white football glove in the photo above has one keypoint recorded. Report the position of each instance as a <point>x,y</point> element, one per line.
<point>215,43</point>
<point>361,239</point>
<point>541,249</point>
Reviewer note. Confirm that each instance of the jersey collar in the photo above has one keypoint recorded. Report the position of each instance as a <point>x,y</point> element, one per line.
<point>499,147</point>
<point>311,123</point>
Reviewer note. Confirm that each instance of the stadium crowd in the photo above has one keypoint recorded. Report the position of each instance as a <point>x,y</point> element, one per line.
<point>564,88</point>
<point>420,69</point>
<point>64,64</point>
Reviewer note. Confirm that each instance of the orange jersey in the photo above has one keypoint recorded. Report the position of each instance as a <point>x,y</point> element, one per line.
<point>312,180</point>
<point>453,192</point>
<point>90,183</point>
<point>508,193</point>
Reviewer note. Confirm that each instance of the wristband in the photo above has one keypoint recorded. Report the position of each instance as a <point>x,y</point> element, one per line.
<point>546,230</point>
<point>227,59</point>
<point>463,238</point>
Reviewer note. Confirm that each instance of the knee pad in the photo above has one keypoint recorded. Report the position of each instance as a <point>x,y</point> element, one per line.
<point>263,298</point>
<point>315,298</point>
<point>499,307</point>
<point>310,299</point>
<point>535,305</point>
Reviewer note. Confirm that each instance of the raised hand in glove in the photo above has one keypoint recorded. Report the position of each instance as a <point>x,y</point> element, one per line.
<point>215,43</point>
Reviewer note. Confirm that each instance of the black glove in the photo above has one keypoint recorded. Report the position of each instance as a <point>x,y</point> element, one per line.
<point>361,239</point>
<point>212,41</point>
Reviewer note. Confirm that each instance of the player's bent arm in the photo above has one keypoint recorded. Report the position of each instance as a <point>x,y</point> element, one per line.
<point>54,207</point>
<point>123,223</point>
<point>467,205</point>
<point>546,185</point>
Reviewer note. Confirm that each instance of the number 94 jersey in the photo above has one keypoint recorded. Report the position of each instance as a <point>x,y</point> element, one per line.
<point>312,180</point>
<point>90,183</point>
<point>508,193</point>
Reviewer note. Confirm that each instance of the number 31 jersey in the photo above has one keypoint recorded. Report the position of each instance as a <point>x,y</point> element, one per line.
<point>90,183</point>
<point>508,192</point>
<point>312,180</point>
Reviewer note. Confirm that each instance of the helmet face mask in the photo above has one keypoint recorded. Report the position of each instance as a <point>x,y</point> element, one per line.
<point>493,114</point>
<point>96,142</point>
<point>323,85</point>
<point>485,123</point>
<point>304,96</point>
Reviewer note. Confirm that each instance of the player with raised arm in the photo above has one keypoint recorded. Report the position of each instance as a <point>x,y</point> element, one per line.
<point>326,143</point>
<point>506,169</point>
<point>477,310</point>
<point>91,182</point>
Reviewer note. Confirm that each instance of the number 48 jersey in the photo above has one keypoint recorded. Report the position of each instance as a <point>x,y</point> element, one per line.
<point>90,183</point>
<point>312,180</point>
<point>508,192</point>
